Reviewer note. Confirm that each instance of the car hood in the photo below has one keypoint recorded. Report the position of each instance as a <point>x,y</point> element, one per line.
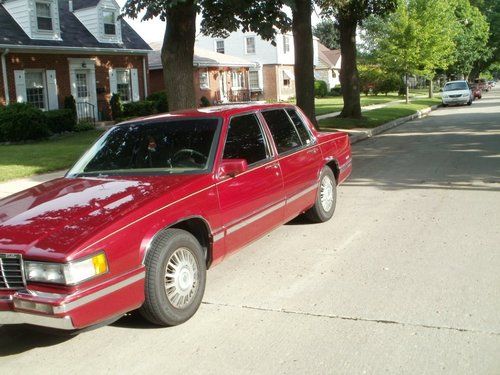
<point>456,92</point>
<point>51,220</point>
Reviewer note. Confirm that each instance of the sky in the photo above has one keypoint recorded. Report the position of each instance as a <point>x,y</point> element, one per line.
<point>153,30</point>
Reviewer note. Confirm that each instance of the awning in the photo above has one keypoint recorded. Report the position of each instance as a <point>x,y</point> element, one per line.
<point>288,74</point>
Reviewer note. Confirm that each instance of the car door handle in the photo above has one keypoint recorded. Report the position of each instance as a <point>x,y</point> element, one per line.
<point>274,165</point>
<point>312,151</point>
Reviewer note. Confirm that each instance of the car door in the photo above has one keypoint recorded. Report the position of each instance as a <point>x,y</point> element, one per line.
<point>299,158</point>
<point>252,202</point>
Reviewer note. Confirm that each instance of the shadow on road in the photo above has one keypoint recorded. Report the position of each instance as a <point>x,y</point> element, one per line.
<point>19,339</point>
<point>458,150</point>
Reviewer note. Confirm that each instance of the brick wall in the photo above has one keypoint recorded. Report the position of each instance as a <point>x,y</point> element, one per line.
<point>60,63</point>
<point>269,73</point>
<point>214,74</point>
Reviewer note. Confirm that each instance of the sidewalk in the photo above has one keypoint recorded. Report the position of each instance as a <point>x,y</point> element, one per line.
<point>13,186</point>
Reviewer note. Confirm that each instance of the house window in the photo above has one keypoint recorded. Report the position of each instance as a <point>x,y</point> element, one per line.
<point>219,46</point>
<point>43,16</point>
<point>253,76</point>
<point>123,85</point>
<point>109,22</point>
<point>204,80</point>
<point>81,85</point>
<point>286,44</point>
<point>35,89</point>
<point>238,79</point>
<point>286,79</point>
<point>250,44</point>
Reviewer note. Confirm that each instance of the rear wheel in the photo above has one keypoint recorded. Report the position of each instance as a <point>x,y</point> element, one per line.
<point>326,198</point>
<point>175,278</point>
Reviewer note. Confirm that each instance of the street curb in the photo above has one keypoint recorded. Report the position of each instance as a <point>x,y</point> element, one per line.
<point>353,138</point>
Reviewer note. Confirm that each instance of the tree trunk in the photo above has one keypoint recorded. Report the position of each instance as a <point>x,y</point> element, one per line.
<point>177,55</point>
<point>407,90</point>
<point>431,88</point>
<point>349,78</point>
<point>304,58</point>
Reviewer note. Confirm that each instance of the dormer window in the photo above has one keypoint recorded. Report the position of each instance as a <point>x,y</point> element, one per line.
<point>109,22</point>
<point>44,16</point>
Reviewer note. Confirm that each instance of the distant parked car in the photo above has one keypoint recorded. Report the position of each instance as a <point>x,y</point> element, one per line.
<point>477,93</point>
<point>457,92</point>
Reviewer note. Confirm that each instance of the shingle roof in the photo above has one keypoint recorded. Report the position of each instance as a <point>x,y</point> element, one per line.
<point>81,4</point>
<point>203,58</point>
<point>329,56</point>
<point>73,33</point>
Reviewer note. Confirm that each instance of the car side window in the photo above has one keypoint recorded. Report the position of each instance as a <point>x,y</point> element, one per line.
<point>245,140</point>
<point>305,135</point>
<point>283,131</point>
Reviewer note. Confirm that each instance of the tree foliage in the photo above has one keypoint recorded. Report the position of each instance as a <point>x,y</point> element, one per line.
<point>327,33</point>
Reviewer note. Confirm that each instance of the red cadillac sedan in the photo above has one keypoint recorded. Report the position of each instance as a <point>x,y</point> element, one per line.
<point>155,202</point>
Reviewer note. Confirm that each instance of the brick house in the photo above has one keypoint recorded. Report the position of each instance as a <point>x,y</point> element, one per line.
<point>218,77</point>
<point>328,67</point>
<point>272,77</point>
<point>51,49</point>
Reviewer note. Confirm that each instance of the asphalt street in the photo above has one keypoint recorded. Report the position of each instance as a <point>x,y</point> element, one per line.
<point>404,279</point>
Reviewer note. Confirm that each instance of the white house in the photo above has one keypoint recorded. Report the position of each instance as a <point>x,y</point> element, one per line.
<point>272,78</point>
<point>328,67</point>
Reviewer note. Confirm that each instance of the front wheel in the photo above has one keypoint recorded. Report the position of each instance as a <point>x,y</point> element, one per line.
<point>326,198</point>
<point>175,278</point>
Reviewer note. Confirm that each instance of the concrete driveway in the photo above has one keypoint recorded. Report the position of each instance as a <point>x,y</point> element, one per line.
<point>405,279</point>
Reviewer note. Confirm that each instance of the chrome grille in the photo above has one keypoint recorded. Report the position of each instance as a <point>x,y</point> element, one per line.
<point>456,96</point>
<point>11,271</point>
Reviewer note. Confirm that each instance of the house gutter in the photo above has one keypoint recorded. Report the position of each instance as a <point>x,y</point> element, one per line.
<point>57,49</point>
<point>145,76</point>
<point>4,76</point>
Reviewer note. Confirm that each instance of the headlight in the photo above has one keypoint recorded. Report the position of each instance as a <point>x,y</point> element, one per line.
<point>67,273</point>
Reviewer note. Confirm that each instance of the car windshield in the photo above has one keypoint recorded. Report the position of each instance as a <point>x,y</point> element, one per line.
<point>174,146</point>
<point>452,86</point>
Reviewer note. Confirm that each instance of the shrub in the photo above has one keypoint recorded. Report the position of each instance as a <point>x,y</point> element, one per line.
<point>83,126</point>
<point>70,103</point>
<point>389,83</point>
<point>116,106</point>
<point>336,91</point>
<point>160,100</point>
<point>60,120</point>
<point>320,88</point>
<point>138,109</point>
<point>21,121</point>
<point>204,101</point>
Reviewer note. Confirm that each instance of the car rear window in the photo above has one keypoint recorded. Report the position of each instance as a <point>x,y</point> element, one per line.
<point>284,133</point>
<point>245,140</point>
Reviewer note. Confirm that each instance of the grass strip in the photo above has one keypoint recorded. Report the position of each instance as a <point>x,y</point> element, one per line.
<point>22,160</point>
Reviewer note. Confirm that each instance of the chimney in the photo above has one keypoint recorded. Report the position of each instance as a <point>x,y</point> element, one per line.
<point>71,5</point>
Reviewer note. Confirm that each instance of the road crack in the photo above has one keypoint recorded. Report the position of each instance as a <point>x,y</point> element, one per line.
<point>360,319</point>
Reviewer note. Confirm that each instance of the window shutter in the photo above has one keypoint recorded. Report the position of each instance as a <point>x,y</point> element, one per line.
<point>20,81</point>
<point>52,89</point>
<point>113,86</point>
<point>135,85</point>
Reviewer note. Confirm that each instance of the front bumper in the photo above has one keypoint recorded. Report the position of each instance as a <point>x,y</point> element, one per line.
<point>460,100</point>
<point>74,311</point>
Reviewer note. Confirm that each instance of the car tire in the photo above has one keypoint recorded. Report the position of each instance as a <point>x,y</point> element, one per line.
<point>326,198</point>
<point>469,102</point>
<point>175,278</point>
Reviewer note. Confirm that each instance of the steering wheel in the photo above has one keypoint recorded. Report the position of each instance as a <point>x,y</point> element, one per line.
<point>190,157</point>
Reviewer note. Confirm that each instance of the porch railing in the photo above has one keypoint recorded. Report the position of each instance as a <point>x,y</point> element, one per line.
<point>86,112</point>
<point>232,96</point>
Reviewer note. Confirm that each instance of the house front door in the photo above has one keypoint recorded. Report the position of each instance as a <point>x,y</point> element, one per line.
<point>223,86</point>
<point>83,98</point>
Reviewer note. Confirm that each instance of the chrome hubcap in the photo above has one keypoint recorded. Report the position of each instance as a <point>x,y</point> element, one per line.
<point>326,193</point>
<point>181,278</point>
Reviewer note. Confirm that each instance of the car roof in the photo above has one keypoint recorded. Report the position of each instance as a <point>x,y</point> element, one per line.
<point>215,111</point>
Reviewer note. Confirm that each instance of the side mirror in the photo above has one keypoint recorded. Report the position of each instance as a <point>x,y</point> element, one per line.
<point>232,167</point>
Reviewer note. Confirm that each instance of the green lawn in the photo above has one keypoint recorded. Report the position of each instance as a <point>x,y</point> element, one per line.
<point>23,160</point>
<point>335,103</point>
<point>379,116</point>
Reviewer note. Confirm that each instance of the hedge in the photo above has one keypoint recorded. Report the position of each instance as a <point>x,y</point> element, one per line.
<point>160,100</point>
<point>320,89</point>
<point>21,122</point>
<point>61,120</point>
<point>138,109</point>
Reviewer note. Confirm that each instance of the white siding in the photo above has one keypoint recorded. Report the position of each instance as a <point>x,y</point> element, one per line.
<point>20,11</point>
<point>92,19</point>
